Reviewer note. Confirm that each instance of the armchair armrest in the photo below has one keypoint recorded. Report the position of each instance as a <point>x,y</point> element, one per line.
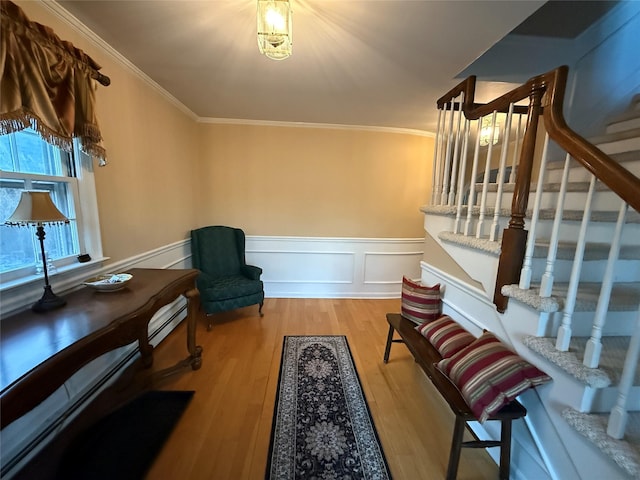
<point>251,271</point>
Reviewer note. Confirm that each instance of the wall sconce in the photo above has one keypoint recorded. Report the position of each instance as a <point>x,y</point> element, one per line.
<point>489,125</point>
<point>36,208</point>
<point>275,30</point>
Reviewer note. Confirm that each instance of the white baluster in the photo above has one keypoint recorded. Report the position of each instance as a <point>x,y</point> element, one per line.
<point>485,183</point>
<point>495,227</point>
<point>525,273</point>
<point>618,418</point>
<point>564,332</point>
<point>516,151</point>
<point>594,344</point>
<point>472,182</point>
<point>440,163</point>
<point>447,158</point>
<point>463,167</point>
<point>456,156</point>
<point>546,284</point>
<point>436,161</point>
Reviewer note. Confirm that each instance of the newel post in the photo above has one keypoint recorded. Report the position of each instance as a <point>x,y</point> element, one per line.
<point>514,237</point>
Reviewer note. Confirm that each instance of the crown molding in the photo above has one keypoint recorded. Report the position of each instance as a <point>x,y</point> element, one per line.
<point>269,123</point>
<point>64,15</point>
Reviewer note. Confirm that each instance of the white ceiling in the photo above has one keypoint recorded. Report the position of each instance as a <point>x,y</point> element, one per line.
<point>367,63</point>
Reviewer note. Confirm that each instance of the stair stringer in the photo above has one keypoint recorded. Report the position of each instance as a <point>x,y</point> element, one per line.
<point>544,446</point>
<point>483,273</point>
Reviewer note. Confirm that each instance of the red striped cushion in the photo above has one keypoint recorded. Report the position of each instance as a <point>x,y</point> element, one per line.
<point>446,335</point>
<point>489,375</point>
<point>420,303</point>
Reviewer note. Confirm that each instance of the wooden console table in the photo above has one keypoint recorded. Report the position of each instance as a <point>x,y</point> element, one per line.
<point>40,351</point>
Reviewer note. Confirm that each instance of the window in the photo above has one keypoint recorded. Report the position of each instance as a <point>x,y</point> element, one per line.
<point>29,163</point>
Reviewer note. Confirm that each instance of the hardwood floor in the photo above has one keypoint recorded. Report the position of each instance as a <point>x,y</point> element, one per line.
<point>225,431</point>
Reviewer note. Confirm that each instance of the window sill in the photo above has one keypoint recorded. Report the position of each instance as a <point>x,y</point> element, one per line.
<point>20,293</point>
<point>61,272</point>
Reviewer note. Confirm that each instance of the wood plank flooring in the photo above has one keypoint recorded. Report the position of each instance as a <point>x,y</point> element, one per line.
<point>225,431</point>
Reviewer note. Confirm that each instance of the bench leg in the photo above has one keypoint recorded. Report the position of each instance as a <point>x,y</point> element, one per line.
<point>456,446</point>
<point>505,449</point>
<point>387,349</point>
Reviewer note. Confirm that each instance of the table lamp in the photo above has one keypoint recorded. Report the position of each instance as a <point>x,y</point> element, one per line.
<point>36,208</point>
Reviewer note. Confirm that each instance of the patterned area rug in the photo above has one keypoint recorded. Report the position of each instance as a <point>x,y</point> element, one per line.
<point>322,427</point>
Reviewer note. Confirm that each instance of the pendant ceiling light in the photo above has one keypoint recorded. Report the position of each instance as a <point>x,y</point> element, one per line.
<point>275,28</point>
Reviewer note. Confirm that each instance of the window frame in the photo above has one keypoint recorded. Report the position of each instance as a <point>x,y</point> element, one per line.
<point>81,188</point>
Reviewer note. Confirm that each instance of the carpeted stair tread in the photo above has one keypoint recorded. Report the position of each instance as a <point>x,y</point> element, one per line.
<point>615,137</point>
<point>625,297</point>
<point>544,214</point>
<point>547,187</point>
<point>625,452</point>
<point>612,358</point>
<point>483,244</point>
<point>621,158</point>
<point>565,250</point>
<point>593,251</point>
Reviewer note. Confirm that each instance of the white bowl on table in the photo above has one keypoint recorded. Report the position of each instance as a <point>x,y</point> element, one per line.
<point>108,282</point>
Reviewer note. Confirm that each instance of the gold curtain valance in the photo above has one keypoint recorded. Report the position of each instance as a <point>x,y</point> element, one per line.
<point>47,83</point>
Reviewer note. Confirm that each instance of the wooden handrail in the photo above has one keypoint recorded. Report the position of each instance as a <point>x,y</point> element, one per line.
<point>611,173</point>
<point>546,96</point>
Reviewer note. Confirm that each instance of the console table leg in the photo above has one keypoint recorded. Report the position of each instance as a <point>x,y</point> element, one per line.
<point>146,351</point>
<point>195,351</point>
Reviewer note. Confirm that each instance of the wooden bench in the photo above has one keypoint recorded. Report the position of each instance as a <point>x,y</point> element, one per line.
<point>426,356</point>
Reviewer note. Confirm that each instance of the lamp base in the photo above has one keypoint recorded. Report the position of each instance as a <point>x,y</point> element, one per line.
<point>49,301</point>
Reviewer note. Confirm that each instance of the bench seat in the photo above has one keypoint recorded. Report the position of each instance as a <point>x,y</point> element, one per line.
<point>427,356</point>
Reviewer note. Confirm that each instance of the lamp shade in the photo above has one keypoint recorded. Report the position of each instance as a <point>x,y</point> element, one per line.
<point>36,208</point>
<point>275,32</point>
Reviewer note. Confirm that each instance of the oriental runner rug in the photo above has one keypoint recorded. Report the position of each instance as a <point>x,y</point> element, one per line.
<point>322,427</point>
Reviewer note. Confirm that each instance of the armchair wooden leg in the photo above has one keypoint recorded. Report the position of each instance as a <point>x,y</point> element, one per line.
<point>260,309</point>
<point>210,323</point>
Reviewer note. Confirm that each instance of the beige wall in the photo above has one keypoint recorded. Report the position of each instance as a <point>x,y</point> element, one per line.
<point>316,182</point>
<point>168,174</point>
<point>145,193</point>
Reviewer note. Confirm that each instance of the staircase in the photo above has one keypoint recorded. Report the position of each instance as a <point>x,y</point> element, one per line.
<point>572,309</point>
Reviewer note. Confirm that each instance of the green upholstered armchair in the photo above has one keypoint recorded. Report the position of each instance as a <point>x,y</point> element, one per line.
<point>225,282</point>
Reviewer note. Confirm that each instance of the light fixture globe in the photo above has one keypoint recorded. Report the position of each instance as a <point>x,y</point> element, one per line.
<point>275,32</point>
<point>489,131</point>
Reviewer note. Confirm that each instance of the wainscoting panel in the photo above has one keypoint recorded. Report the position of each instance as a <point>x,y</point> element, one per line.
<point>305,267</point>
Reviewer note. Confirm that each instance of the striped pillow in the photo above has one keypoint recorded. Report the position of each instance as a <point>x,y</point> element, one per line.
<point>446,335</point>
<point>420,303</point>
<point>489,375</point>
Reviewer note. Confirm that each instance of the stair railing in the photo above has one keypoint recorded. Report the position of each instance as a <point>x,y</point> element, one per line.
<point>457,185</point>
<point>545,95</point>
